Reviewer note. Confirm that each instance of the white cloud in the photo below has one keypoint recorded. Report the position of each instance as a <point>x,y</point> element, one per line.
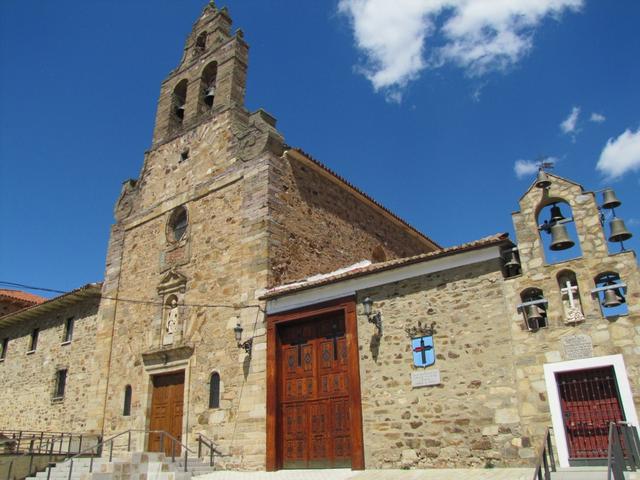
<point>597,118</point>
<point>570,123</point>
<point>620,155</point>
<point>524,168</point>
<point>477,35</point>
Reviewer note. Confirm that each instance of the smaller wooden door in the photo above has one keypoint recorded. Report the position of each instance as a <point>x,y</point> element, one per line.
<point>166,412</point>
<point>590,402</point>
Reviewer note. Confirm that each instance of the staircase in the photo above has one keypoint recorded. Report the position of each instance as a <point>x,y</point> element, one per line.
<point>130,465</point>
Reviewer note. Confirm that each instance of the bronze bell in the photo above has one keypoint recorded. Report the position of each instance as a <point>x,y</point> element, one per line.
<point>609,199</point>
<point>556,214</point>
<point>513,263</point>
<point>534,316</point>
<point>560,238</point>
<point>208,95</point>
<point>180,111</point>
<point>611,298</point>
<point>619,232</point>
<point>543,179</point>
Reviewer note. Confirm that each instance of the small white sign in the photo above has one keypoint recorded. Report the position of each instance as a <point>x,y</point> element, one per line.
<point>577,346</point>
<point>425,378</point>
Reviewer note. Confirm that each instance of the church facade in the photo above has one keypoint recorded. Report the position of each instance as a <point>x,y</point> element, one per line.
<point>254,297</point>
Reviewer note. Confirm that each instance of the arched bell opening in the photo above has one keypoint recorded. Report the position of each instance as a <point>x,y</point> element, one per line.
<point>611,293</point>
<point>178,104</point>
<point>533,309</point>
<point>201,44</point>
<point>558,235</point>
<point>208,86</point>
<point>570,297</point>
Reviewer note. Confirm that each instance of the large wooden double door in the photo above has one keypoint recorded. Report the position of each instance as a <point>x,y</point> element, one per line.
<point>314,413</point>
<point>590,402</point>
<point>167,403</point>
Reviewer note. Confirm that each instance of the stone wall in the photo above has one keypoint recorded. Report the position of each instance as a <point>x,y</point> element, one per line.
<point>319,225</point>
<point>28,379</point>
<point>471,418</point>
<point>608,336</point>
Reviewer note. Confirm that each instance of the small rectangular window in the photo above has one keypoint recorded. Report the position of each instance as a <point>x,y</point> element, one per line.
<point>3,348</point>
<point>33,344</point>
<point>61,383</point>
<point>68,330</point>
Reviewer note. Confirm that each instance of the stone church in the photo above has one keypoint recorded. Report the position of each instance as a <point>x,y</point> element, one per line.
<point>255,298</point>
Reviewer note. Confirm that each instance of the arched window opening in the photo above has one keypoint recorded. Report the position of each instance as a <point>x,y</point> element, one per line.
<point>201,43</point>
<point>177,224</point>
<point>178,103</point>
<point>533,309</point>
<point>570,295</point>
<point>214,390</point>
<point>208,86</point>
<point>126,409</point>
<point>558,232</point>
<point>611,292</point>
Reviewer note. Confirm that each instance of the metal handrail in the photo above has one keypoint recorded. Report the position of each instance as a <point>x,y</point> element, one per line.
<point>547,462</point>
<point>207,442</point>
<point>624,450</point>
<point>111,440</point>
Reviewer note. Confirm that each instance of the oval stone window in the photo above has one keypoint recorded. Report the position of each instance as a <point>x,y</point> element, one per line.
<point>177,224</point>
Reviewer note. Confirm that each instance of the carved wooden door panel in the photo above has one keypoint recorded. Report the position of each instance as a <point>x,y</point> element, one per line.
<point>590,401</point>
<point>167,403</point>
<point>314,395</point>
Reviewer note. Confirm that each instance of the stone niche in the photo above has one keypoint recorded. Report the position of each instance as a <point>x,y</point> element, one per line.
<point>171,291</point>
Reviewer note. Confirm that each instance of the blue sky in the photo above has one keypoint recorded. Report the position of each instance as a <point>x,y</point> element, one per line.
<point>427,108</point>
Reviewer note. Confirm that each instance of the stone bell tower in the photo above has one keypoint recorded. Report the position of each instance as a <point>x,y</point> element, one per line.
<point>210,78</point>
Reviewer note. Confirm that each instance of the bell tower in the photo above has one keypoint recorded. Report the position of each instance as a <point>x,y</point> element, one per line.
<point>209,80</point>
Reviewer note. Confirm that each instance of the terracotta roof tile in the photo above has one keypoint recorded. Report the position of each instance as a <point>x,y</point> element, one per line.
<point>22,297</point>
<point>379,267</point>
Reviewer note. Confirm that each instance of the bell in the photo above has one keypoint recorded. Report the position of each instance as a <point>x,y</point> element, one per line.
<point>208,95</point>
<point>609,199</point>
<point>619,232</point>
<point>180,111</point>
<point>534,316</point>
<point>611,298</point>
<point>560,238</point>
<point>556,214</point>
<point>512,264</point>
<point>543,179</point>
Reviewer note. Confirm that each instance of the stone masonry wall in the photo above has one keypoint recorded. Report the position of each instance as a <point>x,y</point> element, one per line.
<point>612,335</point>
<point>28,379</point>
<point>320,226</point>
<point>471,418</point>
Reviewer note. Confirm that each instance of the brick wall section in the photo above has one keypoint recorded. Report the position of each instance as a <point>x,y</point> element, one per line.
<point>28,379</point>
<point>617,335</point>
<point>320,226</point>
<point>471,418</point>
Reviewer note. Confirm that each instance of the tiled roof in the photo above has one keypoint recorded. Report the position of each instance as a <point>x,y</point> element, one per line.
<point>360,192</point>
<point>50,304</point>
<point>19,296</point>
<point>496,239</point>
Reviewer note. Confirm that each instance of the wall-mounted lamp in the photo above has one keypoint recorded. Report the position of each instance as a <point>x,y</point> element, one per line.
<point>237,330</point>
<point>375,318</point>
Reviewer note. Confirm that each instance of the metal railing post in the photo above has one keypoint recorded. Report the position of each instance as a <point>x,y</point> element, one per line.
<point>186,459</point>
<point>80,444</point>
<point>162,441</point>
<point>9,471</point>
<point>41,437</point>
<point>30,464</point>
<point>49,470</point>
<point>111,451</point>
<point>70,470</point>
<point>18,444</point>
<point>173,450</point>
<point>129,442</point>
<point>61,441</point>
<point>69,446</point>
<point>91,464</point>
<point>199,446</point>
<point>550,450</point>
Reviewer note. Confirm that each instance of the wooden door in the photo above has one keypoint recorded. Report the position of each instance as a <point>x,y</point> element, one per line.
<point>314,416</point>
<point>590,402</point>
<point>166,412</point>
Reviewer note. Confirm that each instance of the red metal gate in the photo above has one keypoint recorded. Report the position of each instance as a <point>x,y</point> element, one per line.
<point>590,401</point>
